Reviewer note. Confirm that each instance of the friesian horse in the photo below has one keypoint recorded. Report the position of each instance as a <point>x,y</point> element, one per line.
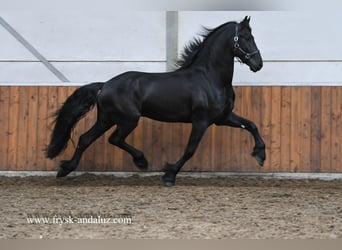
<point>199,92</point>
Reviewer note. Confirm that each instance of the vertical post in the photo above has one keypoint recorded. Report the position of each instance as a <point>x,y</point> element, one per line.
<point>171,39</point>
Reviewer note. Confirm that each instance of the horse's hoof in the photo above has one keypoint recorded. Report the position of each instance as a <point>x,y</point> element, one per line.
<point>141,163</point>
<point>259,160</point>
<point>64,169</point>
<point>169,178</point>
<point>169,184</point>
<point>260,155</point>
<point>62,173</point>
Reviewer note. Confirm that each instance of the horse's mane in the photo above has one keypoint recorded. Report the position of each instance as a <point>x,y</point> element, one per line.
<point>191,49</point>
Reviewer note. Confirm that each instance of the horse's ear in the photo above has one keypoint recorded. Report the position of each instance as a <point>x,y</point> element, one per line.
<point>246,20</point>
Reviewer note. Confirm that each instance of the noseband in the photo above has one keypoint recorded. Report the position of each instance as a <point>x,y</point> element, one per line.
<point>237,45</point>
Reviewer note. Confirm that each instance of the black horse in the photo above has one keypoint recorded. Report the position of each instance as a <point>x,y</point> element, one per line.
<point>199,92</point>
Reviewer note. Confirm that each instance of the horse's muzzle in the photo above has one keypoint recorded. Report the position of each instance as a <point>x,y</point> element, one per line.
<point>255,65</point>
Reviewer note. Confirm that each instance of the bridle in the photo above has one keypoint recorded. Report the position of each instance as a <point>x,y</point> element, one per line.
<point>237,45</point>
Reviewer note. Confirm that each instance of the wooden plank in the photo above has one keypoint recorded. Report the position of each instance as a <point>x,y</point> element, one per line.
<point>13,128</point>
<point>218,149</point>
<point>226,148</point>
<point>32,126</point>
<point>305,137</point>
<point>315,153</point>
<point>265,128</point>
<point>44,127</point>
<point>22,153</point>
<point>295,153</point>
<point>12,131</point>
<point>326,108</point>
<point>201,161</point>
<point>285,143</point>
<point>275,154</point>
<point>335,129</point>
<point>4,129</point>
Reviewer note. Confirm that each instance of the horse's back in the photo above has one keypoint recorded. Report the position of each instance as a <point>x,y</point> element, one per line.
<point>169,97</point>
<point>160,96</point>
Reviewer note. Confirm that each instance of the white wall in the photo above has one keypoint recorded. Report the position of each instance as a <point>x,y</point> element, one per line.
<point>85,46</point>
<point>297,47</point>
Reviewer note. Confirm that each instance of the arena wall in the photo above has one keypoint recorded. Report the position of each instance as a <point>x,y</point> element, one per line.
<point>301,127</point>
<point>295,100</point>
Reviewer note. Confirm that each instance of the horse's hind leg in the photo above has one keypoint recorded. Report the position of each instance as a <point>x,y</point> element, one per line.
<point>85,140</point>
<point>118,139</point>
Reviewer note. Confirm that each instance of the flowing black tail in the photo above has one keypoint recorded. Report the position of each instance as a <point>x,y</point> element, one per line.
<point>74,108</point>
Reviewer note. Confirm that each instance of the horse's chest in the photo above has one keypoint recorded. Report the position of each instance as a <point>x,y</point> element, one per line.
<point>218,104</point>
<point>223,103</point>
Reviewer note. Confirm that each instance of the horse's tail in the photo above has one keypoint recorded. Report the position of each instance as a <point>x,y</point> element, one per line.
<point>74,108</point>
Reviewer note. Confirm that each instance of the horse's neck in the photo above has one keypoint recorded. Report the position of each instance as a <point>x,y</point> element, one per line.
<point>217,57</point>
<point>222,67</point>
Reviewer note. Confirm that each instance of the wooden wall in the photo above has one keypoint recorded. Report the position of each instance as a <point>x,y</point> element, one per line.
<point>300,125</point>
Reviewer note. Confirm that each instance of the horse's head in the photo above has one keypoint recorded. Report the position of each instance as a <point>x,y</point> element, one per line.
<point>244,46</point>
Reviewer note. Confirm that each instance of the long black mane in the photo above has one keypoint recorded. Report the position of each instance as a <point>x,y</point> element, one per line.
<point>191,50</point>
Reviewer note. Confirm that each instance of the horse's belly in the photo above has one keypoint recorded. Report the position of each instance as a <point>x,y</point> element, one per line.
<point>166,114</point>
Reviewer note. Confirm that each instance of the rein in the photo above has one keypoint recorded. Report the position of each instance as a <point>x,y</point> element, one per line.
<point>237,45</point>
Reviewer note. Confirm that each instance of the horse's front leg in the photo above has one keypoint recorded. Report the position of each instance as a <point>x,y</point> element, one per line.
<point>236,121</point>
<point>171,170</point>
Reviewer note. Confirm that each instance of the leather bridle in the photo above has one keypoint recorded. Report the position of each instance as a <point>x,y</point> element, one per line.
<point>237,45</point>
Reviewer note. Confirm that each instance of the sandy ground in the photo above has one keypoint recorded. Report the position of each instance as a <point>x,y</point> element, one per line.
<point>90,206</point>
